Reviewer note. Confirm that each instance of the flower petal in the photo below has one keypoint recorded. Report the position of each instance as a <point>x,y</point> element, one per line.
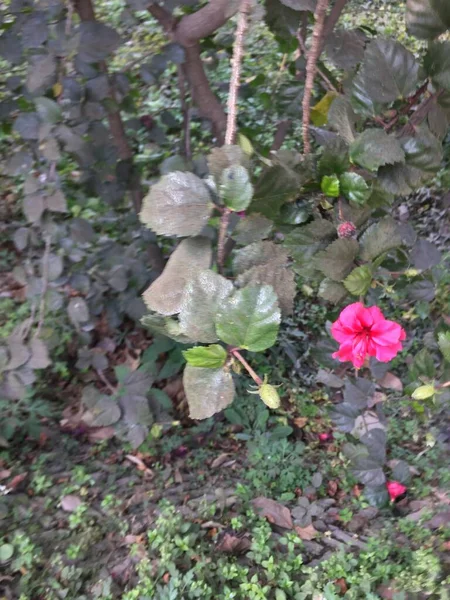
<point>385,333</point>
<point>349,317</point>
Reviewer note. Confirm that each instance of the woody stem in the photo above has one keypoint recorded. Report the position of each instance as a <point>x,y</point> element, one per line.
<point>256,378</point>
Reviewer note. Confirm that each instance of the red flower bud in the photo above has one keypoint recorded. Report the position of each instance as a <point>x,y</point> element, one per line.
<point>346,230</point>
<point>325,437</point>
<point>395,489</point>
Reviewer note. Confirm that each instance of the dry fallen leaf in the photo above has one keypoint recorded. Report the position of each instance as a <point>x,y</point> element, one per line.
<point>100,434</point>
<point>332,488</point>
<point>391,382</point>
<point>4,474</point>
<point>140,464</point>
<point>306,533</point>
<point>218,462</point>
<point>275,513</point>
<point>233,544</point>
<point>300,422</point>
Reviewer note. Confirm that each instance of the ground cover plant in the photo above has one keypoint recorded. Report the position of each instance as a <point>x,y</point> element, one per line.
<point>225,367</point>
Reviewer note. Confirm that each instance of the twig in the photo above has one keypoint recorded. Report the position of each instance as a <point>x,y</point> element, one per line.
<point>45,274</point>
<point>327,82</point>
<point>186,113</point>
<point>311,68</point>
<point>109,385</point>
<point>420,114</point>
<point>238,51</point>
<point>333,18</point>
<point>256,378</point>
<point>410,103</point>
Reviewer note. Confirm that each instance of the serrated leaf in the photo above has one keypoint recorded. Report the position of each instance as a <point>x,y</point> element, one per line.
<point>421,291</point>
<point>423,365</point>
<point>334,159</point>
<point>105,412</point>
<point>138,383</point>
<point>201,299</point>
<point>375,148</point>
<point>329,379</point>
<point>399,179</point>
<point>165,294</point>
<point>422,20</point>
<point>41,73</point>
<point>360,100</point>
<point>389,71</point>
<point>224,157</point>
<point>437,63</point>
<point>330,186</point>
<point>251,229</point>
<point>342,119</point>
<point>375,440</point>
<point>27,126</point>
<point>236,190</point>
<point>18,354</point>
<point>250,318</point>
<point>369,472</point>
<point>208,391</point>
<point>423,392</point>
<point>178,205</point>
<point>354,451</point>
<point>380,238</point>
<point>358,393</point>
<point>337,261</point>
<point>444,344</point>
<point>332,291</point>
<point>355,188</point>
<point>166,326</point>
<point>425,255</point>
<point>56,202</point>
<point>78,311</point>
<point>137,435</point>
<point>39,354</point>
<point>208,357</point>
<point>33,207</point>
<point>48,110</point>
<point>401,472</point>
<point>359,281</point>
<point>423,150</point>
<point>259,253</point>
<point>276,275</point>
<point>376,495</point>
<point>97,41</point>
<point>136,410</point>
<point>343,416</point>
<point>345,48</point>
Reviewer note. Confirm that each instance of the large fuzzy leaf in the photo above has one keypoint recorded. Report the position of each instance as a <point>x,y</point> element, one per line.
<point>201,299</point>
<point>332,291</point>
<point>354,188</point>
<point>236,190</point>
<point>97,41</point>
<point>379,238</point>
<point>389,71</point>
<point>342,119</point>
<point>279,277</point>
<point>375,148</point>
<point>251,229</point>
<point>208,391</point>
<point>165,294</point>
<point>337,260</point>
<point>423,150</point>
<point>422,20</point>
<point>250,318</point>
<point>178,205</point>
<point>259,253</point>
<point>208,357</point>
<point>224,157</point>
<point>437,63</point>
<point>166,326</point>
<point>345,48</point>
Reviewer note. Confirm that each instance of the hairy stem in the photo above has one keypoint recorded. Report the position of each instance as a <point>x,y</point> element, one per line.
<point>45,276</point>
<point>238,52</point>
<point>185,111</point>
<point>256,378</point>
<point>328,84</point>
<point>311,69</point>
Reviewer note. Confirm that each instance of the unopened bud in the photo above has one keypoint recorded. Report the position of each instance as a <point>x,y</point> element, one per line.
<point>346,230</point>
<point>269,395</point>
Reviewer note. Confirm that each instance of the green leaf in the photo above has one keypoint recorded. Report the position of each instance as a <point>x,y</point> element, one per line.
<point>423,392</point>
<point>337,260</point>
<point>401,472</point>
<point>375,148</point>
<point>342,119</point>
<point>201,299</point>
<point>6,553</point>
<point>208,391</point>
<point>276,275</point>
<point>425,255</point>
<point>423,150</point>
<point>360,100</point>
<point>334,159</point>
<point>236,189</point>
<point>178,205</point>
<point>444,344</point>
<point>208,357</point>
<point>250,318</point>
<point>332,291</point>
<point>376,495</point>
<point>369,472</point>
<point>259,253</point>
<point>389,71</point>
<point>48,110</point>
<point>105,412</point>
<point>399,179</point>
<point>224,157</point>
<point>166,326</point>
<point>379,238</point>
<point>252,228</point>
<point>355,188</point>
<point>422,20</point>
<point>330,186</point>
<point>359,281</point>
<point>437,63</point>
<point>165,294</point>
<point>345,48</point>
<point>423,366</point>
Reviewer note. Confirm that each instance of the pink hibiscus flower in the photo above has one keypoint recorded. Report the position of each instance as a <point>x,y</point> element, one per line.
<point>365,332</point>
<point>395,489</point>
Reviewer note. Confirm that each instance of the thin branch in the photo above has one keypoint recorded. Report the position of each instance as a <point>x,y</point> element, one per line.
<point>205,21</point>
<point>185,111</point>
<point>238,52</point>
<point>281,132</point>
<point>328,84</point>
<point>409,104</point>
<point>419,115</point>
<point>222,238</point>
<point>45,275</point>
<point>256,378</point>
<point>333,18</point>
<point>311,68</point>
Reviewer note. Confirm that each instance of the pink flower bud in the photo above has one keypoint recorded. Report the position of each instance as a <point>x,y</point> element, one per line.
<point>325,437</point>
<point>346,230</point>
<point>395,489</point>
